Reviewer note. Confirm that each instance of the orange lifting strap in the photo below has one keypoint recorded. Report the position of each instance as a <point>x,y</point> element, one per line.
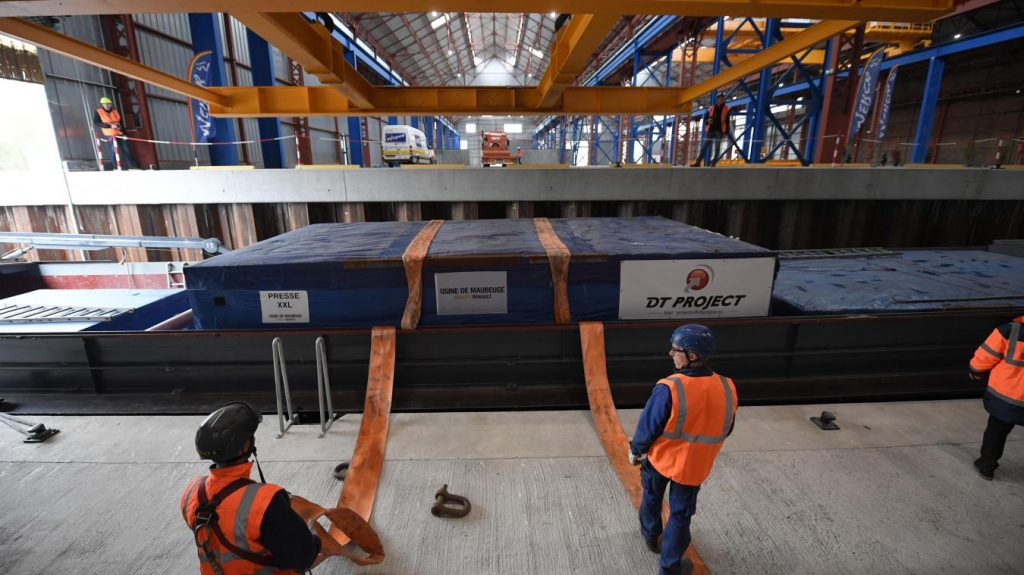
<point>360,488</point>
<point>346,521</point>
<point>609,428</point>
<point>558,257</point>
<point>413,261</point>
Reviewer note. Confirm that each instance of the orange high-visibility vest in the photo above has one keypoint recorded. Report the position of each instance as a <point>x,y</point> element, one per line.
<point>725,117</point>
<point>111,117</point>
<point>239,518</point>
<point>1003,356</point>
<point>703,409</point>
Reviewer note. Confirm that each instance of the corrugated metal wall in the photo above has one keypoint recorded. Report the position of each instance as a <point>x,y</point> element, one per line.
<point>165,43</point>
<point>74,90</point>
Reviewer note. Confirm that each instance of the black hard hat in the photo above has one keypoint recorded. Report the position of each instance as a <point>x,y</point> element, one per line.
<point>223,434</point>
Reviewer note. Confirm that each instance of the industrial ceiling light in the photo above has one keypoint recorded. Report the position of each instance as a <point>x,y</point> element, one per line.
<point>450,52</point>
<point>957,36</point>
<point>530,75</point>
<point>553,15</point>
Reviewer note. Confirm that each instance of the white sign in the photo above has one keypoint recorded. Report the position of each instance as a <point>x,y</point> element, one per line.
<point>284,306</point>
<point>676,289</point>
<point>471,293</point>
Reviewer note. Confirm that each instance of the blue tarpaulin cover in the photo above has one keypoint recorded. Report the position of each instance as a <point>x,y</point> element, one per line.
<point>353,273</point>
<point>898,283</point>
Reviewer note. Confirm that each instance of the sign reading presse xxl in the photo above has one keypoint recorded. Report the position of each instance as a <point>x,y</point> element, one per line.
<point>284,306</point>
<point>677,289</point>
<point>471,293</point>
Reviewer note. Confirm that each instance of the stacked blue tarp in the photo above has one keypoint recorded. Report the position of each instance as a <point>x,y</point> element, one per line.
<point>475,272</point>
<point>144,309</point>
<point>914,281</point>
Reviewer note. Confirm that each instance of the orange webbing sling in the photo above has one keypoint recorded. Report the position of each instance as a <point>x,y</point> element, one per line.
<point>558,257</point>
<point>413,261</point>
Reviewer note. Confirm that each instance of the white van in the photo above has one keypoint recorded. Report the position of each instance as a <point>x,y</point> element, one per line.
<point>404,145</point>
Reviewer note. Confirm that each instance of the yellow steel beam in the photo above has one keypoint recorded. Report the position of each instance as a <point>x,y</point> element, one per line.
<point>788,47</point>
<point>874,31</point>
<point>57,42</point>
<point>313,48</point>
<point>573,47</point>
<point>815,58</point>
<point>861,10</point>
<point>323,101</point>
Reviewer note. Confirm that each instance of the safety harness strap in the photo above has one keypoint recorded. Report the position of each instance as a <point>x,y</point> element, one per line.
<point>206,516</point>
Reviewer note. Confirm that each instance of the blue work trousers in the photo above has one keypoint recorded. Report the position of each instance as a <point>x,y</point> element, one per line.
<point>682,504</point>
<point>126,155</point>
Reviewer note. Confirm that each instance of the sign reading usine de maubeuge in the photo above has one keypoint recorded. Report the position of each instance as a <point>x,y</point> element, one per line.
<point>676,289</point>
<point>471,293</point>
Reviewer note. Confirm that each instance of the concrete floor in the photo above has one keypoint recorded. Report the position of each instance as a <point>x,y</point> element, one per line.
<point>892,492</point>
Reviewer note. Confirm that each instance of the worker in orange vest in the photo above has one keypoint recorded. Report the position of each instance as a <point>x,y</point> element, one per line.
<point>519,155</point>
<point>108,120</point>
<point>1002,358</point>
<point>242,527</point>
<point>717,125</point>
<point>681,429</point>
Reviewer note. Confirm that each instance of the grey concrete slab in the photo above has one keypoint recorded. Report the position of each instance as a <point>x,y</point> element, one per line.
<point>904,510</point>
<point>529,516</point>
<point>524,184</point>
<point>892,492</point>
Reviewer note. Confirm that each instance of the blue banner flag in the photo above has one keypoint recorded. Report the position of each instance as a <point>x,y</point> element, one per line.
<point>883,114</point>
<point>866,93</point>
<point>199,74</point>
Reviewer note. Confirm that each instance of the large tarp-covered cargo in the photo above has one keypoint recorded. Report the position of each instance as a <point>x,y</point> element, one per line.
<point>481,272</point>
<point>913,281</point>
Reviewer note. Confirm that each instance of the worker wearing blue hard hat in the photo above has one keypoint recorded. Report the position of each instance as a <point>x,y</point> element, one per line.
<point>681,430</point>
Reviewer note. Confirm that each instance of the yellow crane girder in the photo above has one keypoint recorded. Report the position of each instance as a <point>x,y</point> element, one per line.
<point>573,47</point>
<point>370,100</point>
<point>861,10</point>
<point>313,48</point>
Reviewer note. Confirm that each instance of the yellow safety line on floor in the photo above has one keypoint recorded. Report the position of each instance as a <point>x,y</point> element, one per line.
<point>360,488</point>
<point>558,257</point>
<point>413,260</point>
<point>609,428</point>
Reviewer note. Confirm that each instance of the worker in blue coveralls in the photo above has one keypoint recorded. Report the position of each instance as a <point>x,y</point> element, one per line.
<point>681,430</point>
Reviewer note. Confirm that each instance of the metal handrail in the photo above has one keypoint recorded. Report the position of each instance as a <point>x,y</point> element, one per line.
<point>281,381</point>
<point>323,386</point>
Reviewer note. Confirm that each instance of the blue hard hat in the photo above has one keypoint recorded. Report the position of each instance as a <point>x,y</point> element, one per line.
<point>695,338</point>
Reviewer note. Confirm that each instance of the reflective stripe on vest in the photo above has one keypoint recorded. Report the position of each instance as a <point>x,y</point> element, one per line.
<point>991,351</point>
<point>188,497</point>
<point>1011,349</point>
<point>681,415</point>
<point>242,517</point>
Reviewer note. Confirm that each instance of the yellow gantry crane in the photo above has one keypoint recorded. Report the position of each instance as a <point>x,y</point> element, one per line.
<point>346,92</point>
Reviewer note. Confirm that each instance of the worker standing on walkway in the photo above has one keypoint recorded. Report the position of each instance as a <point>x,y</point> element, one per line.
<point>519,155</point>
<point>242,527</point>
<point>1002,357</point>
<point>717,125</point>
<point>108,120</point>
<point>681,429</point>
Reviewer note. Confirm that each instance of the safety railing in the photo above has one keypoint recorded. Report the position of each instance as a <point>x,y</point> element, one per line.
<point>282,389</point>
